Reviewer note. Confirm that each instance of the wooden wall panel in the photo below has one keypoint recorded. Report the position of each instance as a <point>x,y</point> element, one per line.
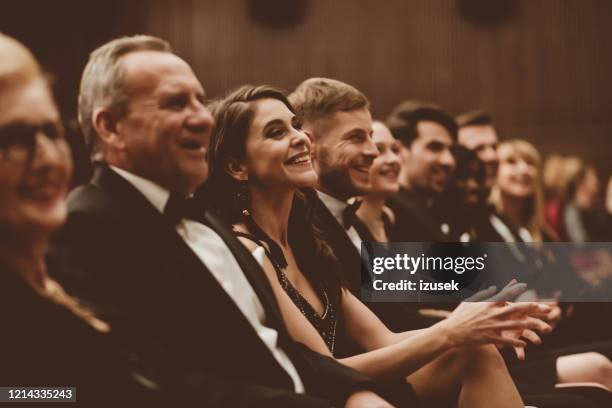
<point>545,74</point>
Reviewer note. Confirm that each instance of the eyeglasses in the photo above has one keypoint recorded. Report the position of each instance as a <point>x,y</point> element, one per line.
<point>18,140</point>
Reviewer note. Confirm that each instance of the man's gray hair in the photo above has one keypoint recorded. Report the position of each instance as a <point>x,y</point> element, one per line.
<point>102,83</point>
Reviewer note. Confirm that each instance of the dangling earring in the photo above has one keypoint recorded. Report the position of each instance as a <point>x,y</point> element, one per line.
<point>243,197</point>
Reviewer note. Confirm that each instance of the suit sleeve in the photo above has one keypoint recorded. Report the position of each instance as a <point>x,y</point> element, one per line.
<point>84,256</point>
<point>80,257</point>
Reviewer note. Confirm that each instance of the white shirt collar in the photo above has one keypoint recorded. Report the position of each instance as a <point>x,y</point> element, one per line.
<point>334,205</point>
<point>156,194</point>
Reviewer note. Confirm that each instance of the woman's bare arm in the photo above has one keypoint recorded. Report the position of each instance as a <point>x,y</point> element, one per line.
<point>400,354</point>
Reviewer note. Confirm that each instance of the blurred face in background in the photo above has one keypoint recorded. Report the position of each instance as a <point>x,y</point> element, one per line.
<point>428,162</point>
<point>386,167</point>
<point>470,183</point>
<point>35,162</point>
<point>588,189</point>
<point>482,140</point>
<point>518,172</point>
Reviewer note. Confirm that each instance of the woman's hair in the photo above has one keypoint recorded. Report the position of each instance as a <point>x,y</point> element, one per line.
<point>533,213</point>
<point>574,173</point>
<point>233,118</point>
<point>17,64</point>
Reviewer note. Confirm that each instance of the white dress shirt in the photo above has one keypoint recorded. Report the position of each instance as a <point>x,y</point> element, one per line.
<point>336,207</point>
<point>214,253</point>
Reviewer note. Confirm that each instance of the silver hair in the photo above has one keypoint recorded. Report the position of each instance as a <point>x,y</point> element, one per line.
<point>102,83</point>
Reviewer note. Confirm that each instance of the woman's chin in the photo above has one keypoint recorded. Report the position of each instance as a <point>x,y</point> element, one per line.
<point>306,180</point>
<point>520,193</point>
<point>44,219</point>
<point>384,189</point>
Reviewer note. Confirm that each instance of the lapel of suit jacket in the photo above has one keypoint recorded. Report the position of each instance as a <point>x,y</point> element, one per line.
<point>118,187</point>
<point>251,269</point>
<point>150,220</point>
<point>338,239</point>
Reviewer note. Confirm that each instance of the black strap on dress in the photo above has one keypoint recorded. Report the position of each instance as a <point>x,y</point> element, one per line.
<point>325,324</point>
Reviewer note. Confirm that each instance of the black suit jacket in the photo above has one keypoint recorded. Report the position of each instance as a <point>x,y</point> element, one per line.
<point>345,251</point>
<point>396,316</point>
<point>120,255</point>
<point>414,221</point>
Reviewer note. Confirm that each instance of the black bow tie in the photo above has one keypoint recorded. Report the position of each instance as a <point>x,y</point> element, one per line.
<point>178,207</point>
<point>348,215</point>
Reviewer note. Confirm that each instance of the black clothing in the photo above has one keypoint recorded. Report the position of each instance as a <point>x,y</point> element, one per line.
<point>46,344</point>
<point>414,220</point>
<point>366,234</point>
<point>327,323</point>
<point>122,257</point>
<point>343,248</point>
<point>330,327</point>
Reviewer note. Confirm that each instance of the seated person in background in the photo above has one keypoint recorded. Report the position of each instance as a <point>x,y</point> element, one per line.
<point>517,194</point>
<point>554,184</point>
<point>584,217</point>
<point>157,267</point>
<point>477,133</point>
<point>50,339</point>
<point>427,134</point>
<point>259,159</point>
<point>374,219</point>
<point>466,199</point>
<point>561,365</point>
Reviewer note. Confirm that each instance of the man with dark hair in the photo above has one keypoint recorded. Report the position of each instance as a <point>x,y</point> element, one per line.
<point>476,132</point>
<point>427,134</point>
<point>155,266</point>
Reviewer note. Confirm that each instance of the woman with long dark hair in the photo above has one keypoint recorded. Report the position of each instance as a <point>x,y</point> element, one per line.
<point>260,177</point>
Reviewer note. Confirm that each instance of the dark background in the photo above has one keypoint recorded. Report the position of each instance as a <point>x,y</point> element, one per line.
<point>543,68</point>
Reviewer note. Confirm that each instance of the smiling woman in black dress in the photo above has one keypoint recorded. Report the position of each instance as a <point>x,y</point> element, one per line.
<point>260,178</point>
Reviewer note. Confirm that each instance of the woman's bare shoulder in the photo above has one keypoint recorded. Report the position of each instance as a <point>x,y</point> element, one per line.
<point>249,243</point>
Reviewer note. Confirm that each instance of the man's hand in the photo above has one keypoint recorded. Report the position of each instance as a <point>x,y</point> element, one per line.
<point>366,399</point>
<point>554,316</point>
<point>525,334</point>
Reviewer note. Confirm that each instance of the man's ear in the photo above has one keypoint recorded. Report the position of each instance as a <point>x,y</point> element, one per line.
<point>236,169</point>
<point>105,124</point>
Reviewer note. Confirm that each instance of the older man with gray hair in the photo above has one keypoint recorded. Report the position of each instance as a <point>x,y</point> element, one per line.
<point>151,262</point>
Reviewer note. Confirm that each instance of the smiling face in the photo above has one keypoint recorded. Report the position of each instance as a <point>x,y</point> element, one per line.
<point>482,140</point>
<point>33,184</point>
<point>471,185</point>
<point>277,150</point>
<point>517,174</point>
<point>164,136</point>
<point>386,167</point>
<point>428,163</point>
<point>344,152</point>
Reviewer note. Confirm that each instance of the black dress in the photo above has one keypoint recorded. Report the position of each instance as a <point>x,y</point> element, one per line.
<point>398,391</point>
<point>327,323</point>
